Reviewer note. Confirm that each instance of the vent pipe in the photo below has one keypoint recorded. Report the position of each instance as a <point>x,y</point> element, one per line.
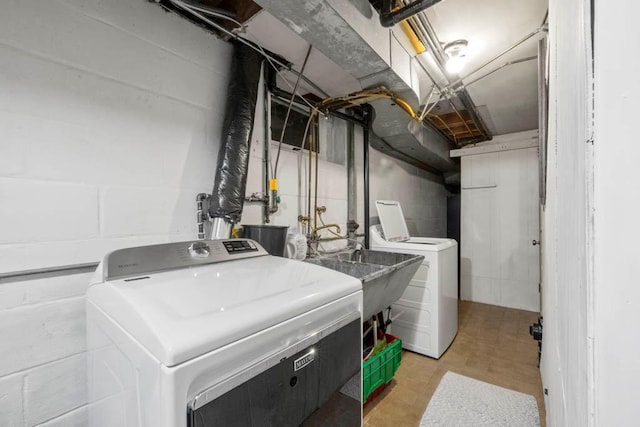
<point>225,205</point>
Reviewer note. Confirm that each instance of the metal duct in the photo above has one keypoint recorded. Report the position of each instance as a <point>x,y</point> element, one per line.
<point>225,206</point>
<point>356,42</point>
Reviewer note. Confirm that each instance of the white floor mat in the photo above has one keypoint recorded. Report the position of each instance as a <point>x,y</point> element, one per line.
<point>353,388</point>
<point>464,401</point>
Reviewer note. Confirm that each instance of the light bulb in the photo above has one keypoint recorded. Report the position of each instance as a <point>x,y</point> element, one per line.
<point>456,54</point>
<point>455,64</point>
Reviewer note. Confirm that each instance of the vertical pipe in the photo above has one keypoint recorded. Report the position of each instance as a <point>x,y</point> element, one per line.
<point>365,133</point>
<point>310,136</point>
<point>352,196</point>
<point>543,106</point>
<point>316,150</point>
<point>267,143</point>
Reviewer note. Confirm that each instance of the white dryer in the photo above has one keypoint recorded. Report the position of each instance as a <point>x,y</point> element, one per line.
<point>429,306</point>
<point>220,333</point>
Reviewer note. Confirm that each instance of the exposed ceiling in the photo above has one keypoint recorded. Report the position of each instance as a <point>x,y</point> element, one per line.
<point>275,36</point>
<point>508,98</point>
<point>503,96</point>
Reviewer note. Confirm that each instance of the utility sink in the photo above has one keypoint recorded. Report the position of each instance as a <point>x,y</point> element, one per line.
<point>384,275</point>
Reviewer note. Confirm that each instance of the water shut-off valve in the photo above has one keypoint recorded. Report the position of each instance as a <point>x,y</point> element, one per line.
<point>274,200</point>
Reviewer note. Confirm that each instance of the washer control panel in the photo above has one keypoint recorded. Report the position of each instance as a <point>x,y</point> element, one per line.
<point>142,260</point>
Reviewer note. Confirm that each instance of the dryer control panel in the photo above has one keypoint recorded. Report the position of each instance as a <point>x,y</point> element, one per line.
<point>239,246</point>
<point>142,260</point>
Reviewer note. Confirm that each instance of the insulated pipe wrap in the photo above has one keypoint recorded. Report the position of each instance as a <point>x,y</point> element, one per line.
<point>233,158</point>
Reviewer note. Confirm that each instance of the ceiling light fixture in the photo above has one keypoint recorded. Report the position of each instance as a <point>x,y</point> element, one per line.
<point>456,55</point>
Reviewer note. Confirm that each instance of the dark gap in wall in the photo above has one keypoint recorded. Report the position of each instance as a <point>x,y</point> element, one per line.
<point>454,204</point>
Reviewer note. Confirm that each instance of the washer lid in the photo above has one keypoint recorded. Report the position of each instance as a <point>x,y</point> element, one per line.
<point>181,314</point>
<point>412,245</point>
<point>392,220</point>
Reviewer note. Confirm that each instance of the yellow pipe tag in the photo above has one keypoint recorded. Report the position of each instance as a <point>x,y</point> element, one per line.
<point>273,184</point>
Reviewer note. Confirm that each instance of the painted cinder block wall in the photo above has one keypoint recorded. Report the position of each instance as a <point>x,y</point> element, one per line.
<point>109,112</point>
<point>110,116</point>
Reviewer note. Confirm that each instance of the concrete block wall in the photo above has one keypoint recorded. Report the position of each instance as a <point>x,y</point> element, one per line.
<point>110,121</point>
<point>293,182</point>
<point>42,361</point>
<point>422,195</point>
<point>110,117</point>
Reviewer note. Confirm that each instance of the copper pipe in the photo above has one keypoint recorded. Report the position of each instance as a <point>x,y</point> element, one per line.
<point>316,134</point>
<point>310,136</point>
<point>300,163</point>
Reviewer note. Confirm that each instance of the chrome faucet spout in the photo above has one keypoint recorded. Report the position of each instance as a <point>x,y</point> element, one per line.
<point>357,255</point>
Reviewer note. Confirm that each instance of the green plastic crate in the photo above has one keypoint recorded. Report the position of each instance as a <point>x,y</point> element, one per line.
<point>379,369</point>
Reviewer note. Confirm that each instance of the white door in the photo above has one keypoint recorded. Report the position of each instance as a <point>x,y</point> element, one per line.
<point>499,220</point>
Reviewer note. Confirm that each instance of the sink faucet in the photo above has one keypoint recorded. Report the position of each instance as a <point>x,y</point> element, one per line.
<point>357,253</point>
<point>315,235</point>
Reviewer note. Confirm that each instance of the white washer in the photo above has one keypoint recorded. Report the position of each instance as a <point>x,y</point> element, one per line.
<point>197,333</point>
<point>430,303</point>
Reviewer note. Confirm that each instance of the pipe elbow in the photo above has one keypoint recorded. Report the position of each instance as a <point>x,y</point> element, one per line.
<point>387,21</point>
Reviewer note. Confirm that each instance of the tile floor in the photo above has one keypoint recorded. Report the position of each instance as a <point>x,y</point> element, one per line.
<point>493,345</point>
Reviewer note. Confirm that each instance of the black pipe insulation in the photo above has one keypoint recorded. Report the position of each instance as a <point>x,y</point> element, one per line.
<point>233,158</point>
<point>389,18</point>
